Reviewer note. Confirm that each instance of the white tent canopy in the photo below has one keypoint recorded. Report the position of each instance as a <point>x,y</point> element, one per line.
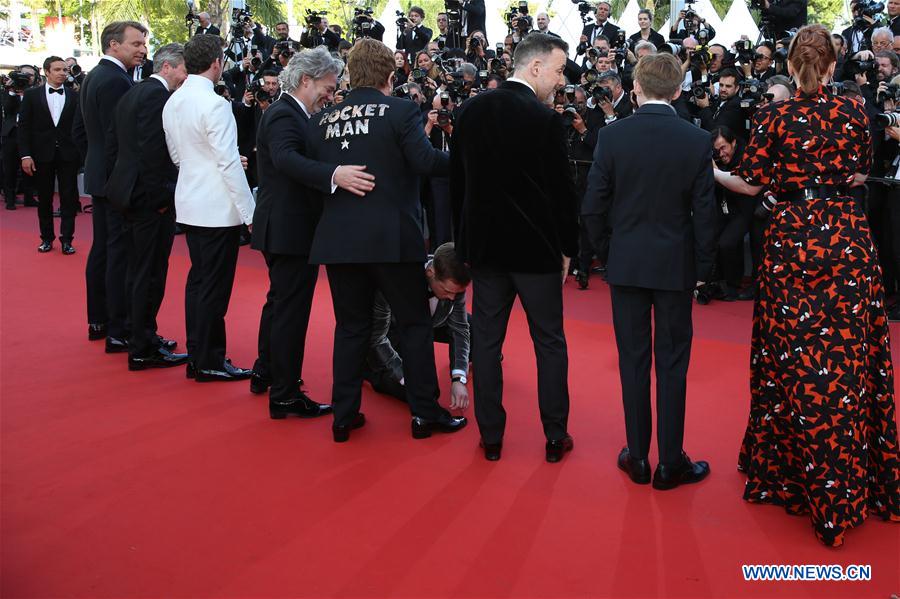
<point>738,21</point>
<point>567,24</point>
<point>388,18</point>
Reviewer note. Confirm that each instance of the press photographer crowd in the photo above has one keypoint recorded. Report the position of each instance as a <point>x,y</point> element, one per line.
<point>413,167</point>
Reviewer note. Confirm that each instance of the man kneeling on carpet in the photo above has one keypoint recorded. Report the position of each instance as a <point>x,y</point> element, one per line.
<point>447,279</point>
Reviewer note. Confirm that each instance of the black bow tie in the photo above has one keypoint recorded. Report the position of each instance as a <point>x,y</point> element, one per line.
<point>56,91</point>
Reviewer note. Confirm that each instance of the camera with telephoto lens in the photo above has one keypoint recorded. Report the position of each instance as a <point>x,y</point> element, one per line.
<point>402,19</point>
<point>700,90</point>
<point>620,45</point>
<point>887,92</point>
<point>239,18</point>
<point>869,68</point>
<point>765,206</point>
<point>363,22</point>
<point>701,57</point>
<point>570,109</point>
<point>313,18</point>
<point>691,18</point>
<point>866,9</point>
<point>482,78</point>
<point>743,49</point>
<point>518,20</point>
<point>601,94</point>
<point>444,116</point>
<point>752,92</point>
<point>419,75</point>
<point>72,77</point>
<point>889,119</point>
<point>259,92</point>
<point>497,66</point>
<point>584,10</point>
<point>16,81</point>
<point>402,91</point>
<point>591,76</point>
<point>283,49</point>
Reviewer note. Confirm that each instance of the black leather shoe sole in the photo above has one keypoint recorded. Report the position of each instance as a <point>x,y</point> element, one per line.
<point>422,429</point>
<point>637,470</point>
<point>341,434</point>
<point>217,376</point>
<point>492,451</point>
<point>698,471</point>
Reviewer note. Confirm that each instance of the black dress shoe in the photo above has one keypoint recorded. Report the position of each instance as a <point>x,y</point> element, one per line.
<point>45,247</point>
<point>160,358</point>
<point>96,332</point>
<point>227,373</point>
<point>10,206</point>
<point>30,203</point>
<point>115,345</point>
<point>559,447</point>
<point>582,278</point>
<point>491,450</point>
<point>422,429</point>
<point>748,293</point>
<point>685,473</point>
<point>341,433</point>
<point>67,249</point>
<point>302,406</point>
<point>637,470</point>
<point>168,344</point>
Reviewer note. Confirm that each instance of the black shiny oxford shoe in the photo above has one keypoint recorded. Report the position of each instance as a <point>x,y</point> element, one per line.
<point>491,450</point>
<point>169,344</point>
<point>422,429</point>
<point>67,249</point>
<point>116,345</point>
<point>685,473</point>
<point>160,358</point>
<point>557,448</point>
<point>227,373</point>
<point>96,332</point>
<point>302,406</point>
<point>45,247</point>
<point>637,470</point>
<point>341,433</point>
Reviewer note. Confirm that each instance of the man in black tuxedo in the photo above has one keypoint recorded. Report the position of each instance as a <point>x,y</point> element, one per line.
<point>288,207</point>
<point>517,232</point>
<point>728,113</point>
<point>415,36</point>
<point>141,186</point>
<point>206,27</point>
<point>49,153</point>
<point>142,71</point>
<point>474,17</point>
<point>10,103</point>
<point>652,216</point>
<point>377,244</point>
<point>602,26</point>
<point>124,45</point>
<point>784,15</point>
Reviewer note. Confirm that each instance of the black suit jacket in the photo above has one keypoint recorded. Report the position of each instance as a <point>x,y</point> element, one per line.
<point>650,204</point>
<point>146,69</point>
<point>730,114</point>
<point>211,30</point>
<point>38,137</point>
<point>9,104</point>
<point>476,17</point>
<point>288,204</point>
<point>786,15</point>
<point>513,197</point>
<point>103,87</point>
<point>411,44</point>
<point>655,38</point>
<point>385,134</point>
<point>141,174</point>
<point>609,31</point>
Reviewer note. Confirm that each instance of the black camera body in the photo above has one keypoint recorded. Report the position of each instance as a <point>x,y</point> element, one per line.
<point>259,92</point>
<point>751,93</point>
<point>16,81</point>
<point>444,116</point>
<point>890,92</point>
<point>890,119</point>
<point>313,18</point>
<point>584,10</point>
<point>239,18</point>
<point>518,20</point>
<point>363,22</point>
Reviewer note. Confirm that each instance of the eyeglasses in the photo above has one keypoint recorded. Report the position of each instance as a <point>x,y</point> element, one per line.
<point>761,57</point>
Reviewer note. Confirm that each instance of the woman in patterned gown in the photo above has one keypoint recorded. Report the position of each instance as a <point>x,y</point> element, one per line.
<point>822,436</point>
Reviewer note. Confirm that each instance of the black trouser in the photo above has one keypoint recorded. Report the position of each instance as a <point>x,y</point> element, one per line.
<point>879,216</point>
<point>440,219</point>
<point>150,235</point>
<point>106,271</point>
<point>45,175</point>
<point>214,252</point>
<point>672,348</point>
<point>541,297</point>
<point>9,154</point>
<point>894,212</point>
<point>585,249</point>
<point>734,227</point>
<point>353,288</point>
<point>284,323</point>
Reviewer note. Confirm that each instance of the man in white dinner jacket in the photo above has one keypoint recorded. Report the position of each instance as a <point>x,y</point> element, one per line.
<point>212,201</point>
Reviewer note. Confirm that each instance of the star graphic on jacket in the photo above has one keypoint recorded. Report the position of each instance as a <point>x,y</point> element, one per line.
<point>345,145</point>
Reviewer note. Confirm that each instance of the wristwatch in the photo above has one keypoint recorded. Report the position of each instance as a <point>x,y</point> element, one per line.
<point>459,378</point>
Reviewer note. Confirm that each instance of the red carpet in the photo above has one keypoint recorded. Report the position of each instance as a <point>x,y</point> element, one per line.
<point>118,484</point>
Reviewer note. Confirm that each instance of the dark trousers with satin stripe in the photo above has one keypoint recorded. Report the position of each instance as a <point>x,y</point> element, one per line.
<point>284,323</point>
<point>631,308</point>
<point>541,296</point>
<point>46,174</point>
<point>150,236</point>
<point>106,270</point>
<point>353,288</point>
<point>214,252</point>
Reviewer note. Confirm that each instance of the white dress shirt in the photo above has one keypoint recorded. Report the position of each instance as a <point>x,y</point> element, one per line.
<point>201,134</point>
<point>161,79</point>
<point>56,102</point>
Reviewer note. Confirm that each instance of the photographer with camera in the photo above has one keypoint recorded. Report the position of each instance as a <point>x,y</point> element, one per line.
<point>477,52</point>
<point>609,100</point>
<point>242,75</point>
<point>727,113</point>
<point>413,36</point>
<point>439,130</point>
<point>74,74</point>
<point>760,66</point>
<point>781,16</point>
<point>600,27</point>
<point>858,35</point>
<point>14,86</point>
<point>690,24</point>
<point>248,112</point>
<point>317,33</point>
<point>365,25</point>
<point>282,52</point>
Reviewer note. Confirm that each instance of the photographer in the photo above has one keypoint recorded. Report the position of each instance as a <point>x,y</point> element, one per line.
<point>75,74</point>
<point>761,67</point>
<point>414,36</point>
<point>477,52</point>
<point>240,77</point>
<point>601,27</point>
<point>612,103</point>
<point>858,35</point>
<point>247,114</point>
<point>317,33</point>
<point>782,15</point>
<point>282,52</point>
<point>689,24</point>
<point>447,278</point>
<point>245,41</point>
<point>14,85</point>
<point>365,25</point>
<point>888,65</point>
<point>893,13</point>
<point>439,129</point>
<point>728,113</point>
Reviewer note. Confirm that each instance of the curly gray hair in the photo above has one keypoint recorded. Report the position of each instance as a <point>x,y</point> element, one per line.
<point>315,63</point>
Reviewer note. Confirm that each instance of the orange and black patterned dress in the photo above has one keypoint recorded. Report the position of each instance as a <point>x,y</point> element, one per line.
<point>822,434</point>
